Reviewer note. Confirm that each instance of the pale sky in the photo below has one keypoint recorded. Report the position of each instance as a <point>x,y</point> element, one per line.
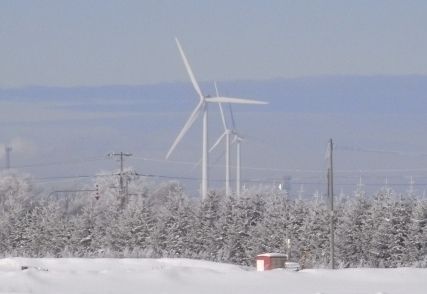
<point>94,42</point>
<point>370,52</point>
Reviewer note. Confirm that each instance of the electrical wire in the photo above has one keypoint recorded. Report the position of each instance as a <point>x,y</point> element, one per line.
<point>64,162</point>
<point>338,173</point>
<point>358,149</point>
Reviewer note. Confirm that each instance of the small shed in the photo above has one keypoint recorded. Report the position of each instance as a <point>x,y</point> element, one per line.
<point>269,261</point>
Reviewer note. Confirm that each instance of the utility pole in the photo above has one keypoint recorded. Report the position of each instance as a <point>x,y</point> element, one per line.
<point>120,155</point>
<point>8,149</point>
<point>331,202</point>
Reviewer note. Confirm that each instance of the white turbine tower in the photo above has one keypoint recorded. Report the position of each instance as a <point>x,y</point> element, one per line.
<point>226,134</point>
<point>202,107</point>
<point>238,138</point>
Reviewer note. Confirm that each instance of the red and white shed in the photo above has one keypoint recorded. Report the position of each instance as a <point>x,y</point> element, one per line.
<point>269,261</point>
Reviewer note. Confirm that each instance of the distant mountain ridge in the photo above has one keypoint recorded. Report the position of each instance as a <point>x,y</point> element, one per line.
<point>322,94</point>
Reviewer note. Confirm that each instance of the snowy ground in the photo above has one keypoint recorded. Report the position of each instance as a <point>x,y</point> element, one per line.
<point>194,276</point>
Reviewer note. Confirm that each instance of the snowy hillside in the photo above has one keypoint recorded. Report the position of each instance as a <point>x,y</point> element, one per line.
<point>195,276</point>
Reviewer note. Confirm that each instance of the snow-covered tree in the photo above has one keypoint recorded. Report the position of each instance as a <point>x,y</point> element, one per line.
<point>316,229</point>
<point>416,242</point>
<point>174,231</point>
<point>271,232</point>
<point>351,242</point>
<point>380,228</point>
<point>206,242</point>
<point>47,231</point>
<point>298,214</point>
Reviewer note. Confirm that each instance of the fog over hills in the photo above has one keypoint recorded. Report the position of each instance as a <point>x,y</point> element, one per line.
<point>286,138</point>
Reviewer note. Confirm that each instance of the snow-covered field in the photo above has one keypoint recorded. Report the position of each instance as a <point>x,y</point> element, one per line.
<point>194,276</point>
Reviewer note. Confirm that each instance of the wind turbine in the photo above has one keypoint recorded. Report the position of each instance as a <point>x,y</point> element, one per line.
<point>202,106</point>
<point>238,138</point>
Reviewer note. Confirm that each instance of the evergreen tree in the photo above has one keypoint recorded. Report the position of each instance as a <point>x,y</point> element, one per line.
<point>298,214</point>
<point>400,221</point>
<point>316,229</point>
<point>206,243</point>
<point>226,228</point>
<point>175,226</point>
<point>270,234</point>
<point>351,241</point>
<point>88,231</point>
<point>381,228</point>
<point>416,242</point>
<point>47,231</point>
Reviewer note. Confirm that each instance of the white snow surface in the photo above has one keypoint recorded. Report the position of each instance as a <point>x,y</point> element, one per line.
<point>78,275</point>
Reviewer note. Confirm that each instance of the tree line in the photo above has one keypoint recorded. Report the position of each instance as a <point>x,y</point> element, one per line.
<point>385,229</point>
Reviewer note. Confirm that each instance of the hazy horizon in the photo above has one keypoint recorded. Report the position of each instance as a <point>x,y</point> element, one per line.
<point>373,121</point>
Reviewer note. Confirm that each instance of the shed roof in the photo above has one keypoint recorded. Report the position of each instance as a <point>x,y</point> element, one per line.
<point>273,255</point>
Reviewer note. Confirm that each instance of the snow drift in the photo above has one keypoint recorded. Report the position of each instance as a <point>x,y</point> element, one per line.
<point>194,276</point>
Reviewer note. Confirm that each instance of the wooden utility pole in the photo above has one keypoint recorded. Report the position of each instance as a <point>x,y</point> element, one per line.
<point>120,155</point>
<point>8,149</point>
<point>331,203</point>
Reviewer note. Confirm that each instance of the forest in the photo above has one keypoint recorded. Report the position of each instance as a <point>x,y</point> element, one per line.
<point>385,229</point>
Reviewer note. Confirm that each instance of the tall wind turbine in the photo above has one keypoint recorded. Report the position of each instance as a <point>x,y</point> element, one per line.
<point>202,106</point>
<point>238,138</point>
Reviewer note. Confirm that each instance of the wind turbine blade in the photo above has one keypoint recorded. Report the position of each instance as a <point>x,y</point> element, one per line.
<point>213,163</point>
<point>222,117</point>
<point>216,89</point>
<point>197,164</point>
<point>220,108</point>
<point>234,140</point>
<point>218,141</point>
<point>187,125</point>
<point>233,100</point>
<point>239,136</point>
<point>233,123</point>
<point>216,160</point>
<point>190,72</point>
<point>212,148</point>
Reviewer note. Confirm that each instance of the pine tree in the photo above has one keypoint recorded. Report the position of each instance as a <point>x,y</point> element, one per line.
<point>416,242</point>
<point>381,228</point>
<point>206,243</point>
<point>174,233</point>
<point>17,192</point>
<point>316,229</point>
<point>298,213</point>
<point>351,242</point>
<point>226,228</point>
<point>46,231</point>
<point>271,233</point>
<point>400,220</point>
<point>86,237</point>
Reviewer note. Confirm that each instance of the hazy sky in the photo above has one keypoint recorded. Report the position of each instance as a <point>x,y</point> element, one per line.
<point>99,43</point>
<point>81,42</point>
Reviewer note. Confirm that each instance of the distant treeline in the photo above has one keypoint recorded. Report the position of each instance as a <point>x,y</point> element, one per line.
<point>381,230</point>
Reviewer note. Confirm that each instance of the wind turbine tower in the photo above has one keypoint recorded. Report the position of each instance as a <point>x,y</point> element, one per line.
<point>238,138</point>
<point>227,132</point>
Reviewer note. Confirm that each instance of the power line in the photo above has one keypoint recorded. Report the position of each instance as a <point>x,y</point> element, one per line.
<point>76,177</point>
<point>359,149</point>
<point>295,170</point>
<point>64,162</point>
